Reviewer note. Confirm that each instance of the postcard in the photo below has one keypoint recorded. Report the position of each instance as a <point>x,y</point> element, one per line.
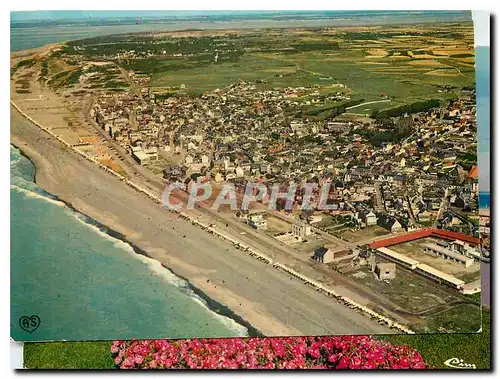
<point>230,174</point>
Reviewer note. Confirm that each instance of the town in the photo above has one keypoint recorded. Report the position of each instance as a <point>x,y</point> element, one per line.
<point>391,183</point>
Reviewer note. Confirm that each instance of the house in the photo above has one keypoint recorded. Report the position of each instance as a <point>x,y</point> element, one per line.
<point>301,230</point>
<point>385,271</point>
<point>257,221</point>
<point>141,157</point>
<point>189,160</point>
<point>239,172</point>
<point>390,223</point>
<point>325,254</point>
<point>369,218</point>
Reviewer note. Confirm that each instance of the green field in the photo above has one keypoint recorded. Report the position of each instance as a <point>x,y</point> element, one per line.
<point>405,64</point>
<point>405,85</point>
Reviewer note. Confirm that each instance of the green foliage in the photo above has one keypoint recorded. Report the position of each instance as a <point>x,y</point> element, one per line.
<point>315,46</point>
<point>115,84</point>
<point>73,77</point>
<point>26,63</point>
<point>274,136</point>
<point>330,111</point>
<point>461,55</point>
<point>45,69</point>
<point>378,137</point>
<point>419,106</point>
<point>68,355</point>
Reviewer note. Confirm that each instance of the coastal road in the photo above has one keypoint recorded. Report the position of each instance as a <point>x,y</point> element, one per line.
<point>271,301</point>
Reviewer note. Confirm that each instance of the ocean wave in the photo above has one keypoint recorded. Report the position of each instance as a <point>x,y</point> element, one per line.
<point>36,195</point>
<point>169,277</point>
<point>164,273</point>
<point>21,168</point>
<point>22,184</point>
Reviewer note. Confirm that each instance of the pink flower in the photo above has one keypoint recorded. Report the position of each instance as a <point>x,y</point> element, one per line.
<point>338,352</point>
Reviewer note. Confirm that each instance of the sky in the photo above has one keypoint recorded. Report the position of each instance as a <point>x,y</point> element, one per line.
<point>85,14</point>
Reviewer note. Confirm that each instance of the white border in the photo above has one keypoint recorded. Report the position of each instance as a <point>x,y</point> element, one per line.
<point>185,5</point>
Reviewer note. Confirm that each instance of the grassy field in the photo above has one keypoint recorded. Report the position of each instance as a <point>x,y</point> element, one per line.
<point>463,318</point>
<point>68,355</point>
<point>435,349</point>
<point>474,348</point>
<point>404,83</point>
<point>403,63</point>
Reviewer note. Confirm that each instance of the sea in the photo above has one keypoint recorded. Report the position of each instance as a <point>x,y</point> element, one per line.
<point>84,284</point>
<point>484,200</point>
<point>35,29</point>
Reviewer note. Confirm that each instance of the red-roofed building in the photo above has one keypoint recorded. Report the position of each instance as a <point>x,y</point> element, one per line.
<point>422,233</point>
<point>473,174</point>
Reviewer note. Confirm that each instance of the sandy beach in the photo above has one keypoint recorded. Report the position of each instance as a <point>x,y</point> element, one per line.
<point>273,302</point>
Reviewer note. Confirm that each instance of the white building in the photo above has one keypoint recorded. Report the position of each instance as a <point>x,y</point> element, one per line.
<point>301,230</point>
<point>257,221</point>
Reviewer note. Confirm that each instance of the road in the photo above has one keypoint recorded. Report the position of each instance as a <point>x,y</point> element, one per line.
<point>442,207</point>
<point>369,102</point>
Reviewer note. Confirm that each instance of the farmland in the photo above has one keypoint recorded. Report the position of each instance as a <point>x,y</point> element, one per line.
<point>403,64</point>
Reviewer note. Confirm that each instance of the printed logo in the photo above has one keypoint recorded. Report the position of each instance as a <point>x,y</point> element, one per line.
<point>29,324</point>
<point>459,363</point>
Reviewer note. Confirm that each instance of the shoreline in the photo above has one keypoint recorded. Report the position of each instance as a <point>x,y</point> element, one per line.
<point>272,302</point>
<point>212,305</point>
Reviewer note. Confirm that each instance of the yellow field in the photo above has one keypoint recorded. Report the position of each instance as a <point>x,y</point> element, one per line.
<point>425,62</point>
<point>377,52</point>
<point>445,72</point>
<point>447,52</point>
<point>466,60</point>
<point>281,70</point>
<point>373,63</point>
<point>424,56</point>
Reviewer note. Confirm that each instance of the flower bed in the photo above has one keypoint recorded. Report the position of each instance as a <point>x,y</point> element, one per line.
<point>342,352</point>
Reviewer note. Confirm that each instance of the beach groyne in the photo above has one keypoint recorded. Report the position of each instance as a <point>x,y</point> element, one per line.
<point>261,256</point>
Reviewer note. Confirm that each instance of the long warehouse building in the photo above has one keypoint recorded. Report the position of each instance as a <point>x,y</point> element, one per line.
<point>421,268</point>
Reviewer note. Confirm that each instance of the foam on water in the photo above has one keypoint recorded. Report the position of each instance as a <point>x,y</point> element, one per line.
<point>37,195</point>
<point>171,278</point>
<point>164,273</point>
<point>175,288</point>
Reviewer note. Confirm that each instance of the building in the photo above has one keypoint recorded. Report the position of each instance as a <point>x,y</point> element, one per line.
<point>397,257</point>
<point>257,221</point>
<point>141,157</point>
<point>390,223</point>
<point>423,233</point>
<point>325,254</point>
<point>301,230</point>
<point>421,268</point>
<point>448,254</point>
<point>385,271</point>
<point>440,276</point>
<point>369,218</point>
<point>313,219</point>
